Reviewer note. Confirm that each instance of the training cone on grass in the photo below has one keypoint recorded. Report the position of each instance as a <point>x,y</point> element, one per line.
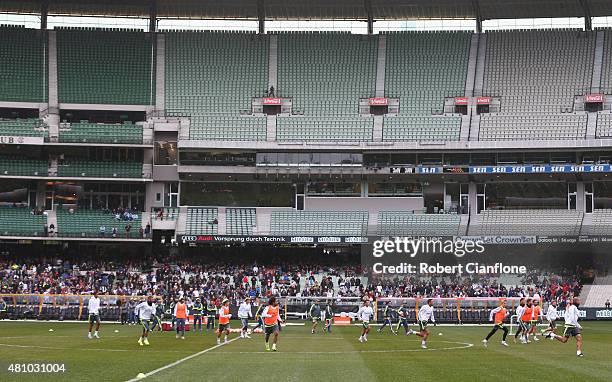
<point>439,334</point>
<point>140,376</point>
<point>116,331</point>
<point>50,330</point>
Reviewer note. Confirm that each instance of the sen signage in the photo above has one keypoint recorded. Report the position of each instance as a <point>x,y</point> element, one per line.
<point>594,98</point>
<point>272,101</point>
<point>378,101</point>
<point>483,100</point>
<point>459,101</point>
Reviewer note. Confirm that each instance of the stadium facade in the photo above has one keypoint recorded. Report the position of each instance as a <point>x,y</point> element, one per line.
<point>205,136</point>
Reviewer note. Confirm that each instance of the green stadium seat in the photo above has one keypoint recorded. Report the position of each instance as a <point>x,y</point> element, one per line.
<point>212,77</point>
<point>23,64</point>
<point>98,66</point>
<point>16,221</point>
<point>87,223</point>
<point>84,132</point>
<point>77,168</point>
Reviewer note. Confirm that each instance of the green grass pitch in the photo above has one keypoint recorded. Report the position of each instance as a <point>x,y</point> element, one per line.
<point>301,356</point>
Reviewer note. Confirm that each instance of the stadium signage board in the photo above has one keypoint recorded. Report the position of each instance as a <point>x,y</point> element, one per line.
<point>15,140</point>
<point>461,101</point>
<point>483,100</point>
<point>591,313</point>
<point>514,169</point>
<point>402,170</point>
<point>272,101</point>
<point>378,101</point>
<point>594,98</point>
<point>429,170</point>
<point>540,169</point>
<point>270,239</point>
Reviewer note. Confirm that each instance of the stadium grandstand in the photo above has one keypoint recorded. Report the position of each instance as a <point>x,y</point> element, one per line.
<point>225,149</point>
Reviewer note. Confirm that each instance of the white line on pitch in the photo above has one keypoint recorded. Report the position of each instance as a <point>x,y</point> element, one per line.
<point>183,360</point>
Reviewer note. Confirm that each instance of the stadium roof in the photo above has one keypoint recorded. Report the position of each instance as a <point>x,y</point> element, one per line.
<point>316,9</point>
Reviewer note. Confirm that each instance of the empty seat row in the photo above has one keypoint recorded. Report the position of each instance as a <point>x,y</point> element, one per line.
<point>79,168</point>
<point>84,132</point>
<point>202,221</point>
<point>318,128</point>
<point>554,222</point>
<point>408,223</point>
<point>421,128</point>
<point>29,127</point>
<point>16,221</point>
<point>343,223</point>
<point>23,64</point>
<point>241,221</point>
<point>98,66</point>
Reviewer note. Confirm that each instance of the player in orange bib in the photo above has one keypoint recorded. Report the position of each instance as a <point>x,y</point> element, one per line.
<point>180,315</point>
<point>272,321</point>
<point>535,318</point>
<point>224,321</point>
<point>526,319</point>
<point>498,315</point>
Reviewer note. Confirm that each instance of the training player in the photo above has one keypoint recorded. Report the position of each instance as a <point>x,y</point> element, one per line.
<point>180,315</point>
<point>145,311</point>
<point>315,314</point>
<point>93,310</point>
<point>159,312</point>
<point>224,321</point>
<point>198,312</point>
<point>535,318</point>
<point>365,314</point>
<point>551,316</point>
<point>258,318</point>
<point>387,318</point>
<point>272,322</point>
<point>498,315</point>
<point>572,327</point>
<point>426,314</point>
<point>327,316</point>
<point>519,315</point>
<point>402,313</point>
<point>244,313</point>
<point>526,318</point>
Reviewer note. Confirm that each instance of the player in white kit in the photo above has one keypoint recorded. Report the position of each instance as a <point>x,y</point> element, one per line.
<point>365,314</point>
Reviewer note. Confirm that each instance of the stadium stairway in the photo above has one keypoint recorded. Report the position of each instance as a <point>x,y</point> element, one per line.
<point>273,62</point>
<point>591,126</point>
<point>160,72</point>
<point>472,61</point>
<point>480,65</point>
<point>598,62</point>
<point>372,223</point>
<point>271,128</point>
<point>463,225</point>
<point>263,221</point>
<point>587,224</point>
<point>52,219</point>
<point>222,220</point>
<point>381,62</point>
<point>181,222</point>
